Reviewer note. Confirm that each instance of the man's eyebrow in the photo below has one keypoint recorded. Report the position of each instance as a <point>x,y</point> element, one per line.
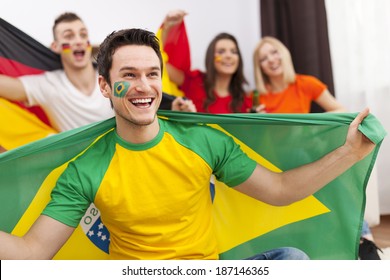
<point>124,68</point>
<point>67,30</point>
<point>71,30</point>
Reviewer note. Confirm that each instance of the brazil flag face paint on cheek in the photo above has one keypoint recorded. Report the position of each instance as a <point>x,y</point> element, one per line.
<point>121,88</point>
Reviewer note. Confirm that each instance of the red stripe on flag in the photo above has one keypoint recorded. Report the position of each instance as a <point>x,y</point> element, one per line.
<point>13,68</point>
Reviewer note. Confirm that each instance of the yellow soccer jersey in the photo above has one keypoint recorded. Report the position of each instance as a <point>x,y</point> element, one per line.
<point>154,198</point>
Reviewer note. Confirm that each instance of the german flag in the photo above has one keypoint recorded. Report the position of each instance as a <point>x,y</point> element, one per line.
<point>326,225</point>
<point>20,55</point>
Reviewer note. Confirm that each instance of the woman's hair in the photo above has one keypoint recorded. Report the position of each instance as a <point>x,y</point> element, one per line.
<point>121,38</point>
<point>236,86</point>
<point>261,79</point>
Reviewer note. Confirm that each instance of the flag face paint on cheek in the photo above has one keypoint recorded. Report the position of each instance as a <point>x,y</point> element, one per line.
<point>121,88</point>
<point>66,48</point>
<point>217,58</point>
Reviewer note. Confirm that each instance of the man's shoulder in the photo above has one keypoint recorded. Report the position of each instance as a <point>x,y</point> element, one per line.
<point>47,75</point>
<point>99,149</point>
<point>59,73</point>
<point>192,131</point>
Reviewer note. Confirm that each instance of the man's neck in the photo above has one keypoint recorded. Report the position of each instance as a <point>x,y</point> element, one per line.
<point>136,134</point>
<point>84,79</point>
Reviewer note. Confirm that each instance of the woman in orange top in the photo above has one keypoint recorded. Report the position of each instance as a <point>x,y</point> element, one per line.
<point>280,89</point>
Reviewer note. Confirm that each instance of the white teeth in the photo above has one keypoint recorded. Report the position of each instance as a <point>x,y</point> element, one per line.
<point>141,100</point>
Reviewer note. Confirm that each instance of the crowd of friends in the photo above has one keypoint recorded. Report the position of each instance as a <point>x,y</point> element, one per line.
<point>127,85</point>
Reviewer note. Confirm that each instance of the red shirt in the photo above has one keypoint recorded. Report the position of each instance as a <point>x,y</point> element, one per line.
<point>193,88</point>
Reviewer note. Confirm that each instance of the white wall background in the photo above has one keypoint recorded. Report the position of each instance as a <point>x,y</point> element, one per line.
<point>206,19</point>
<point>359,35</point>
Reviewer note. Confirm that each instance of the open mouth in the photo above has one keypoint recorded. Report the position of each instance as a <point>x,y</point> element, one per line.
<point>79,54</point>
<point>142,102</point>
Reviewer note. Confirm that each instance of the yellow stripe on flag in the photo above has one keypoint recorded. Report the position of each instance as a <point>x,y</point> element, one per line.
<point>240,218</point>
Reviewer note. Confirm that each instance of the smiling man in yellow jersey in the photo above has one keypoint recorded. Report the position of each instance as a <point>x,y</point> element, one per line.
<point>155,205</point>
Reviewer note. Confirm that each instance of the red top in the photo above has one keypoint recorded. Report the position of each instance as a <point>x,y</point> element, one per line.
<point>193,88</point>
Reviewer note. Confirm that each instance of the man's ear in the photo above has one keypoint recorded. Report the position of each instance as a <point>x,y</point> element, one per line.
<point>55,47</point>
<point>104,87</point>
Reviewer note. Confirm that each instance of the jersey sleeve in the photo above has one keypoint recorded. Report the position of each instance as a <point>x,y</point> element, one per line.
<point>232,165</point>
<point>227,161</point>
<point>77,186</point>
<point>68,200</point>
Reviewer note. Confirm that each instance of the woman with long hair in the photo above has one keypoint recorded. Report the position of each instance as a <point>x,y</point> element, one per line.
<point>220,89</point>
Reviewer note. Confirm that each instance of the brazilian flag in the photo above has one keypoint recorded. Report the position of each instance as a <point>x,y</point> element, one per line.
<point>325,225</point>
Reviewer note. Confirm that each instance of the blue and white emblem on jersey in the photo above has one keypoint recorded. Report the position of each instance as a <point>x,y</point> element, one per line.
<point>94,229</point>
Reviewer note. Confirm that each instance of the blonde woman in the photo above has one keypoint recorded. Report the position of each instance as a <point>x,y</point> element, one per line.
<point>280,89</point>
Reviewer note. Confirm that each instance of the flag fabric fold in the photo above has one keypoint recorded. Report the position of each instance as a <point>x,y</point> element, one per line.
<point>325,225</point>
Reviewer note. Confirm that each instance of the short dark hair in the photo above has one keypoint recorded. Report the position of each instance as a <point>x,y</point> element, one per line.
<point>65,17</point>
<point>121,38</point>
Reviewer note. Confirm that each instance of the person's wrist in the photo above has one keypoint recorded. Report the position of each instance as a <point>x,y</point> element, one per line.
<point>347,151</point>
<point>167,26</point>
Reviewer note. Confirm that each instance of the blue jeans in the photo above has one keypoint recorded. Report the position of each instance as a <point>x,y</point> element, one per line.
<point>283,253</point>
<point>365,229</point>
